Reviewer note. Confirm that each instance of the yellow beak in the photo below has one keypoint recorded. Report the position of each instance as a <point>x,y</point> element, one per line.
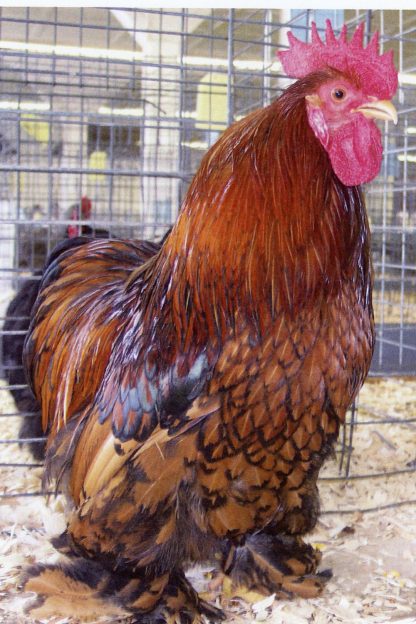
<point>379,109</point>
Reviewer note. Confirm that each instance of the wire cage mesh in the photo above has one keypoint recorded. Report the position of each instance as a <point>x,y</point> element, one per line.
<point>119,106</point>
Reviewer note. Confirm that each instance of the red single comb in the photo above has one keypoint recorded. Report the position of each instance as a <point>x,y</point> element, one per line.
<point>377,72</point>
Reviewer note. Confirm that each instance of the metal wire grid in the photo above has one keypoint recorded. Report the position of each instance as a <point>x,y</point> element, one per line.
<point>120,105</point>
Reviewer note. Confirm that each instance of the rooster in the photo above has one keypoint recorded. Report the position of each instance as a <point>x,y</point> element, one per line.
<point>192,394</point>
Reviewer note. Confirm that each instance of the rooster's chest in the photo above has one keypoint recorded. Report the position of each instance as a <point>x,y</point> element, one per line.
<point>282,402</point>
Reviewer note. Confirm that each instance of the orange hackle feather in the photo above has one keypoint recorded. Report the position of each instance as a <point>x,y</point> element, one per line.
<point>264,227</point>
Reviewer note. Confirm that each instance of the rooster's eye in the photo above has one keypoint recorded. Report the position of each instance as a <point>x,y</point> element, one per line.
<point>338,94</point>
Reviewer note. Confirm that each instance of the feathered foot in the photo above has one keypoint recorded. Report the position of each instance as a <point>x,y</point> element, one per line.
<point>180,604</point>
<point>85,590</point>
<point>279,564</point>
<point>77,589</point>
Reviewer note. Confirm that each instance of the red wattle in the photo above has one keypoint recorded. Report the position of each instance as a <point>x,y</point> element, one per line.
<point>355,151</point>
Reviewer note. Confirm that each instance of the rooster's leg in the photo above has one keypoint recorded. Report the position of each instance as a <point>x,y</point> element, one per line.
<point>180,604</point>
<point>84,589</point>
<point>281,564</point>
<point>136,573</point>
<point>301,509</point>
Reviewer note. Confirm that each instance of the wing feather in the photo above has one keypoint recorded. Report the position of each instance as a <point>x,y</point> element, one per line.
<point>81,309</point>
<point>87,351</point>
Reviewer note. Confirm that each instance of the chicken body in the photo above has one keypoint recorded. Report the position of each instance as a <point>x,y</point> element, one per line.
<point>193,391</point>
